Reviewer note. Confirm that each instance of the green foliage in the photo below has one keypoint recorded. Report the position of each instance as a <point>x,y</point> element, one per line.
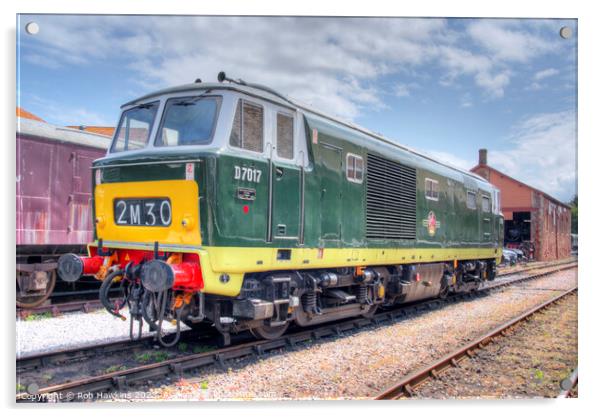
<point>160,356</point>
<point>143,357</point>
<point>201,348</point>
<point>115,368</point>
<point>182,347</point>
<point>40,316</point>
<point>148,357</point>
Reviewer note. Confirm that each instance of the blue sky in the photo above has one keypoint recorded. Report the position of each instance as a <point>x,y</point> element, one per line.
<point>446,87</point>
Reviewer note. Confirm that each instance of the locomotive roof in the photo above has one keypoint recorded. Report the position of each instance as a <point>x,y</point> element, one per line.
<point>45,130</point>
<point>269,94</point>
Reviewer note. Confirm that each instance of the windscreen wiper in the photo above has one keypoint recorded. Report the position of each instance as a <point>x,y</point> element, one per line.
<point>188,101</point>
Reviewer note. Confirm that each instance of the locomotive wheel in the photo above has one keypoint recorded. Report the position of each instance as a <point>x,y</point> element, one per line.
<point>268,332</point>
<point>370,313</point>
<point>31,301</point>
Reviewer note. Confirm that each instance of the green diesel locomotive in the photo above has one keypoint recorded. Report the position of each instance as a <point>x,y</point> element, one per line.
<point>230,205</point>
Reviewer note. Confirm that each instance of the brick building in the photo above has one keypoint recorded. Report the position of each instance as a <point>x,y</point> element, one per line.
<point>533,219</point>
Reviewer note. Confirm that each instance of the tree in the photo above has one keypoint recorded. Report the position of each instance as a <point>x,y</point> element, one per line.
<point>574,214</point>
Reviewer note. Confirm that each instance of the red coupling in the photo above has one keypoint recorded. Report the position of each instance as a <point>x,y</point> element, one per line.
<point>187,275</point>
<point>92,264</point>
<point>158,275</point>
<point>71,267</point>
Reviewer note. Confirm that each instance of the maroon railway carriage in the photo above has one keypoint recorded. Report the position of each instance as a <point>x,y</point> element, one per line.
<point>53,201</point>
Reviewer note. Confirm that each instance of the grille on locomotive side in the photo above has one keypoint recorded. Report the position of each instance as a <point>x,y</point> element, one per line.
<point>390,200</point>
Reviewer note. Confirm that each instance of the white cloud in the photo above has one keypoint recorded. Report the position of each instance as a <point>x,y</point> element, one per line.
<point>332,63</point>
<point>463,62</point>
<point>494,84</point>
<point>42,60</point>
<point>466,101</point>
<point>401,90</point>
<point>59,114</point>
<point>449,158</point>
<point>506,40</point>
<point>540,75</point>
<point>542,153</point>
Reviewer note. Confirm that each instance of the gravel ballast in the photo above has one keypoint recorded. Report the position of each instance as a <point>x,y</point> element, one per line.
<point>529,362</point>
<point>73,330</point>
<point>361,364</point>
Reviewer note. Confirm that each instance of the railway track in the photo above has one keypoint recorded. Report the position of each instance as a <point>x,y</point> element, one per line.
<point>89,305</point>
<point>408,385</point>
<point>122,379</point>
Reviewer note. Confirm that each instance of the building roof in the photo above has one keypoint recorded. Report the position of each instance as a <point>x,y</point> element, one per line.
<point>34,128</point>
<point>549,197</point>
<point>27,115</point>
<point>100,130</point>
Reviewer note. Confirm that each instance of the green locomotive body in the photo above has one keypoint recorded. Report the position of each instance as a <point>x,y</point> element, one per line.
<point>247,210</point>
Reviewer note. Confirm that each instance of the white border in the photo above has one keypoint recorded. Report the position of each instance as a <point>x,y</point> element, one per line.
<point>590,33</point>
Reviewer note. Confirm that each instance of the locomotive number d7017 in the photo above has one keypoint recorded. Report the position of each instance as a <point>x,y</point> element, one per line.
<point>142,212</point>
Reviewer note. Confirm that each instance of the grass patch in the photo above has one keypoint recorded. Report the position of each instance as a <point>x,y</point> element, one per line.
<point>202,348</point>
<point>151,357</point>
<point>182,346</point>
<point>39,316</point>
<point>143,357</point>
<point>115,368</point>
<point>160,356</point>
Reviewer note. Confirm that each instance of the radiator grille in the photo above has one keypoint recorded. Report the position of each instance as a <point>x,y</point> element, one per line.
<point>390,200</point>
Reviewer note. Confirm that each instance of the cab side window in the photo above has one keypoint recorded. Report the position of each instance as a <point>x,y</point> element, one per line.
<point>471,200</point>
<point>284,136</point>
<point>431,189</point>
<point>355,168</point>
<point>247,128</point>
<point>486,203</point>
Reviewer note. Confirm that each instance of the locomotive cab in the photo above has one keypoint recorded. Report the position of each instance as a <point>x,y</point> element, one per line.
<point>186,167</point>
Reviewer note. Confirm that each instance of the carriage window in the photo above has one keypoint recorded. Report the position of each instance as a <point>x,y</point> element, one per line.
<point>355,168</point>
<point>134,127</point>
<point>486,204</point>
<point>247,128</point>
<point>284,136</point>
<point>471,200</point>
<point>188,121</point>
<point>431,189</point>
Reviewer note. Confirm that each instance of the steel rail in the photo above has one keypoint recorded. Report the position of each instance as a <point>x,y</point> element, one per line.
<point>40,360</point>
<point>407,385</point>
<point>124,378</point>
<point>84,305</point>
